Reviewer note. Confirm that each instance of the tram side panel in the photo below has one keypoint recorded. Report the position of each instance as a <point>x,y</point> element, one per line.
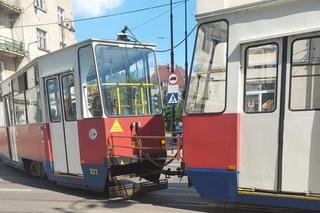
<point>269,31</point>
<point>211,125</point>
<point>4,143</point>
<point>33,143</point>
<point>64,143</point>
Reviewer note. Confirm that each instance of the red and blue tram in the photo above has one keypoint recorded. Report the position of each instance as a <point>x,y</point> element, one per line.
<point>251,128</point>
<point>78,115</point>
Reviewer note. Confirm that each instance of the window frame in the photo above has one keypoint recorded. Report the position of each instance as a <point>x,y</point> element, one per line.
<point>31,87</point>
<point>191,68</point>
<point>158,83</point>
<point>24,75</point>
<point>63,97</point>
<point>80,83</point>
<point>3,124</point>
<point>61,15</point>
<point>2,68</point>
<point>41,5</point>
<point>48,100</point>
<point>245,76</point>
<point>301,64</point>
<point>42,35</point>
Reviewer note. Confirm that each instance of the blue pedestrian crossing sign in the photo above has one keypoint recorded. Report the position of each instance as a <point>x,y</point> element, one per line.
<point>173,99</point>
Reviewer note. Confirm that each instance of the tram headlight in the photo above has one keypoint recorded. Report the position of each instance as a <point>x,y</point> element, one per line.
<point>163,142</point>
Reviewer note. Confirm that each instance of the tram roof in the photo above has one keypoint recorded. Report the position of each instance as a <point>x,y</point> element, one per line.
<point>131,44</point>
<point>255,5</point>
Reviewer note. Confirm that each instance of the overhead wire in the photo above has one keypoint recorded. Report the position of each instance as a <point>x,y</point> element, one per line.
<point>155,17</point>
<point>162,51</point>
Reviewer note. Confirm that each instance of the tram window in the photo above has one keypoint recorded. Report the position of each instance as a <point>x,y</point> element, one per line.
<point>69,98</point>
<point>2,118</point>
<point>20,109</point>
<point>305,74</point>
<point>33,103</point>
<point>129,81</point>
<point>261,78</point>
<point>89,84</point>
<point>19,100</point>
<point>54,100</point>
<point>19,84</point>
<point>207,84</point>
<point>32,76</point>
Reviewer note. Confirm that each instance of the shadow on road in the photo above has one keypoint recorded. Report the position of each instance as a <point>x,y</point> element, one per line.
<point>177,197</point>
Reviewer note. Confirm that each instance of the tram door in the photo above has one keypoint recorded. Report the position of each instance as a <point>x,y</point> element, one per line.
<point>61,98</point>
<point>11,128</point>
<point>259,137</point>
<point>301,137</point>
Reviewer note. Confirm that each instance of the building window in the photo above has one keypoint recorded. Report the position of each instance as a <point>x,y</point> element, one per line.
<point>42,39</point>
<point>60,15</point>
<point>1,70</point>
<point>40,4</point>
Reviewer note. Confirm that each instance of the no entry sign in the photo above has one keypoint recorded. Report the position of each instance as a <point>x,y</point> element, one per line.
<point>173,79</point>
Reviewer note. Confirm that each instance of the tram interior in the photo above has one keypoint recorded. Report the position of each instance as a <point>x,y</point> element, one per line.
<point>128,80</point>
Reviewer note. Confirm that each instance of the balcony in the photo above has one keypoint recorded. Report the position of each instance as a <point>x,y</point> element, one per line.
<point>12,5</point>
<point>11,48</point>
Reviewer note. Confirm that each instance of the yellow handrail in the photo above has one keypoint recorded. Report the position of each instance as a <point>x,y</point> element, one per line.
<point>119,101</point>
<point>128,84</point>
<point>142,100</point>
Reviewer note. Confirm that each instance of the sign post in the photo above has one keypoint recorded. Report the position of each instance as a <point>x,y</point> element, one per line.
<point>173,126</point>
<point>173,95</point>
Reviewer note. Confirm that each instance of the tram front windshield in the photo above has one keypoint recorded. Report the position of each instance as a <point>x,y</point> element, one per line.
<point>129,81</point>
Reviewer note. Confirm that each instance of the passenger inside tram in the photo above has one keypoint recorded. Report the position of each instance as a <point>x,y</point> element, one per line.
<point>95,108</point>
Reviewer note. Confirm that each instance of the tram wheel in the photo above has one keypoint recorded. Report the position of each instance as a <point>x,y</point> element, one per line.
<point>36,169</point>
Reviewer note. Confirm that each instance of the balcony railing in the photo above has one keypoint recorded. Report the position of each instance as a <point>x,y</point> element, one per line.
<point>13,5</point>
<point>11,46</point>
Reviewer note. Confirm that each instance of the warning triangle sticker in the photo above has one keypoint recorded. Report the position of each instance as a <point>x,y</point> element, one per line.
<point>173,100</point>
<point>116,127</point>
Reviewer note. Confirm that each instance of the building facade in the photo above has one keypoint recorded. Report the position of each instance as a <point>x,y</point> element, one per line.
<point>31,28</point>
<point>203,6</point>
<point>164,73</point>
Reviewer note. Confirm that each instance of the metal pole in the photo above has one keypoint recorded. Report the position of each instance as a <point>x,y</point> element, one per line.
<point>173,111</point>
<point>186,41</point>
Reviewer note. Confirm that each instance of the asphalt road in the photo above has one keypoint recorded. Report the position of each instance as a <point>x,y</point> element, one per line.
<point>20,192</point>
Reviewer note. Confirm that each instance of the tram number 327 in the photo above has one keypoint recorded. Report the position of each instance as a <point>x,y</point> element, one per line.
<point>93,171</point>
